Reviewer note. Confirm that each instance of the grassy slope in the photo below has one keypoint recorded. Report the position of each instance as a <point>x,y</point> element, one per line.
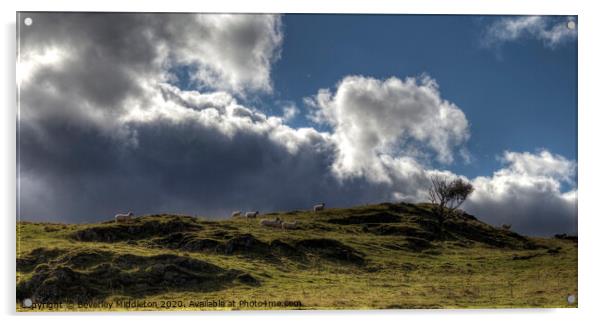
<point>476,271</point>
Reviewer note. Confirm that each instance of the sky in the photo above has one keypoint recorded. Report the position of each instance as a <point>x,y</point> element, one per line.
<point>207,114</point>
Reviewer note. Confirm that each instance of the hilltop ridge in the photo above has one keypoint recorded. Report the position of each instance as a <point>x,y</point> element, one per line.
<point>156,254</point>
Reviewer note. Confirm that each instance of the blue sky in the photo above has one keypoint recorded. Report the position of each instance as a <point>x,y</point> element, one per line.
<point>521,96</point>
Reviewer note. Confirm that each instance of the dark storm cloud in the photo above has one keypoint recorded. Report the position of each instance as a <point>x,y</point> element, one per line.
<point>102,54</point>
<point>102,130</point>
<point>182,168</point>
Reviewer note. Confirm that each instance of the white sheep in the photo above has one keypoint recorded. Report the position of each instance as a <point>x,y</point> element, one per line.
<point>319,207</point>
<point>236,213</point>
<point>251,214</point>
<point>271,222</point>
<point>123,218</point>
<point>289,225</point>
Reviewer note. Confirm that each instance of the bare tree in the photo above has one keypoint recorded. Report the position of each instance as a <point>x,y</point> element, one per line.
<point>448,195</point>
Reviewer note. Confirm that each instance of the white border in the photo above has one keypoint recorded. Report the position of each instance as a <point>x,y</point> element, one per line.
<point>589,159</point>
<point>541,7</point>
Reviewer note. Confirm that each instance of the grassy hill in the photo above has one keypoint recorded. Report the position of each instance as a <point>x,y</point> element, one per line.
<point>377,256</point>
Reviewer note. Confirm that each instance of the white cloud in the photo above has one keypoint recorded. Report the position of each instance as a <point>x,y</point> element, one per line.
<point>30,62</point>
<point>290,112</point>
<point>550,30</point>
<point>373,119</point>
<point>231,52</point>
<point>221,112</point>
<point>542,164</point>
<point>528,193</point>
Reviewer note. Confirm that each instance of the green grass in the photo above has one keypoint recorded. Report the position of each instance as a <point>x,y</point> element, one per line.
<point>475,266</point>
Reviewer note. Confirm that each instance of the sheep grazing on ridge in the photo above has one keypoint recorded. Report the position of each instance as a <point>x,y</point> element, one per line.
<point>319,207</point>
<point>506,227</point>
<point>236,213</point>
<point>123,218</point>
<point>251,214</point>
<point>271,222</point>
<point>289,225</point>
